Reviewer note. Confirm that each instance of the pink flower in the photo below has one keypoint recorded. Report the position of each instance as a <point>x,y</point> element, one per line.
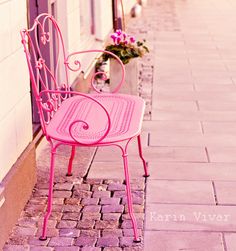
<point>132,39</point>
<point>119,32</point>
<point>118,40</point>
<point>121,37</point>
<point>113,37</point>
<point>124,36</point>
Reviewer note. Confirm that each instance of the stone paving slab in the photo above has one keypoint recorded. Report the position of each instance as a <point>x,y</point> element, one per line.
<point>112,154</point>
<point>219,127</point>
<point>169,126</point>
<point>175,105</point>
<point>177,154</point>
<point>230,87</point>
<point>230,240</point>
<point>222,154</point>
<point>182,86</point>
<point>225,192</point>
<point>193,139</point>
<point>158,153</point>
<point>172,241</point>
<point>192,171</point>
<point>108,170</point>
<point>180,192</point>
<point>177,217</point>
<point>81,163</point>
<point>216,116</point>
<point>217,106</point>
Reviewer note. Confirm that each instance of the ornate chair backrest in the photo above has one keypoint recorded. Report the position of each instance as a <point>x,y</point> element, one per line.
<point>42,43</point>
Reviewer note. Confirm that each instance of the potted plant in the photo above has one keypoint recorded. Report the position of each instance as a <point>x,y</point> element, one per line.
<point>127,49</point>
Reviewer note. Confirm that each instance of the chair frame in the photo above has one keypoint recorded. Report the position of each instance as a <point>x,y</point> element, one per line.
<point>49,102</point>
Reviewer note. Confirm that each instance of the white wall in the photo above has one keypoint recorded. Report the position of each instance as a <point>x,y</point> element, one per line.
<point>73,27</point>
<point>103,18</point>
<point>15,103</point>
<point>71,30</point>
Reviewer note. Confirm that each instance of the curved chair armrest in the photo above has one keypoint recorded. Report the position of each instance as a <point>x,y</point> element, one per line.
<point>86,125</point>
<point>75,65</point>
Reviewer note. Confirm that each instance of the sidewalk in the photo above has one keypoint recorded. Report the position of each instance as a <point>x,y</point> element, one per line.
<point>189,140</point>
<point>190,199</point>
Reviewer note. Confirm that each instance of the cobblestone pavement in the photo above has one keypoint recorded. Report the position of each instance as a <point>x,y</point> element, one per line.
<point>88,214</point>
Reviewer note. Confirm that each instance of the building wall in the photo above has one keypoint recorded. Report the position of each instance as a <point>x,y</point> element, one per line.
<point>102,21</point>
<point>128,4</point>
<point>72,30</point>
<point>73,25</point>
<point>103,18</point>
<point>15,102</point>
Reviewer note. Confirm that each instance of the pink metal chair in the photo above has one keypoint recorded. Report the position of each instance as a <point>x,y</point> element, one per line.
<point>73,118</point>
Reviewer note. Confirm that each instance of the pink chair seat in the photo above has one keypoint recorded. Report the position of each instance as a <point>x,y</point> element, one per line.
<point>125,111</point>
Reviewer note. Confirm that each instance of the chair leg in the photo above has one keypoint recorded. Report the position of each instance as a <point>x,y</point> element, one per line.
<point>50,195</point>
<point>146,174</point>
<point>129,199</point>
<point>69,172</point>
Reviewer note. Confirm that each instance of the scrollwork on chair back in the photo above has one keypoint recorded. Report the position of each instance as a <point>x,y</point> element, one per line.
<point>45,54</point>
<point>73,62</point>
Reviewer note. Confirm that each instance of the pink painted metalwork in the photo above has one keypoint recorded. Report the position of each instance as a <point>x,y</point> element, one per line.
<point>74,118</point>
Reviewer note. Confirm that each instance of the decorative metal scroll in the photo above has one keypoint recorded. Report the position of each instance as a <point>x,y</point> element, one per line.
<point>73,62</point>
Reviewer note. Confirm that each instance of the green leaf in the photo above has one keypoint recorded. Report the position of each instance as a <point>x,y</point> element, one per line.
<point>146,48</point>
